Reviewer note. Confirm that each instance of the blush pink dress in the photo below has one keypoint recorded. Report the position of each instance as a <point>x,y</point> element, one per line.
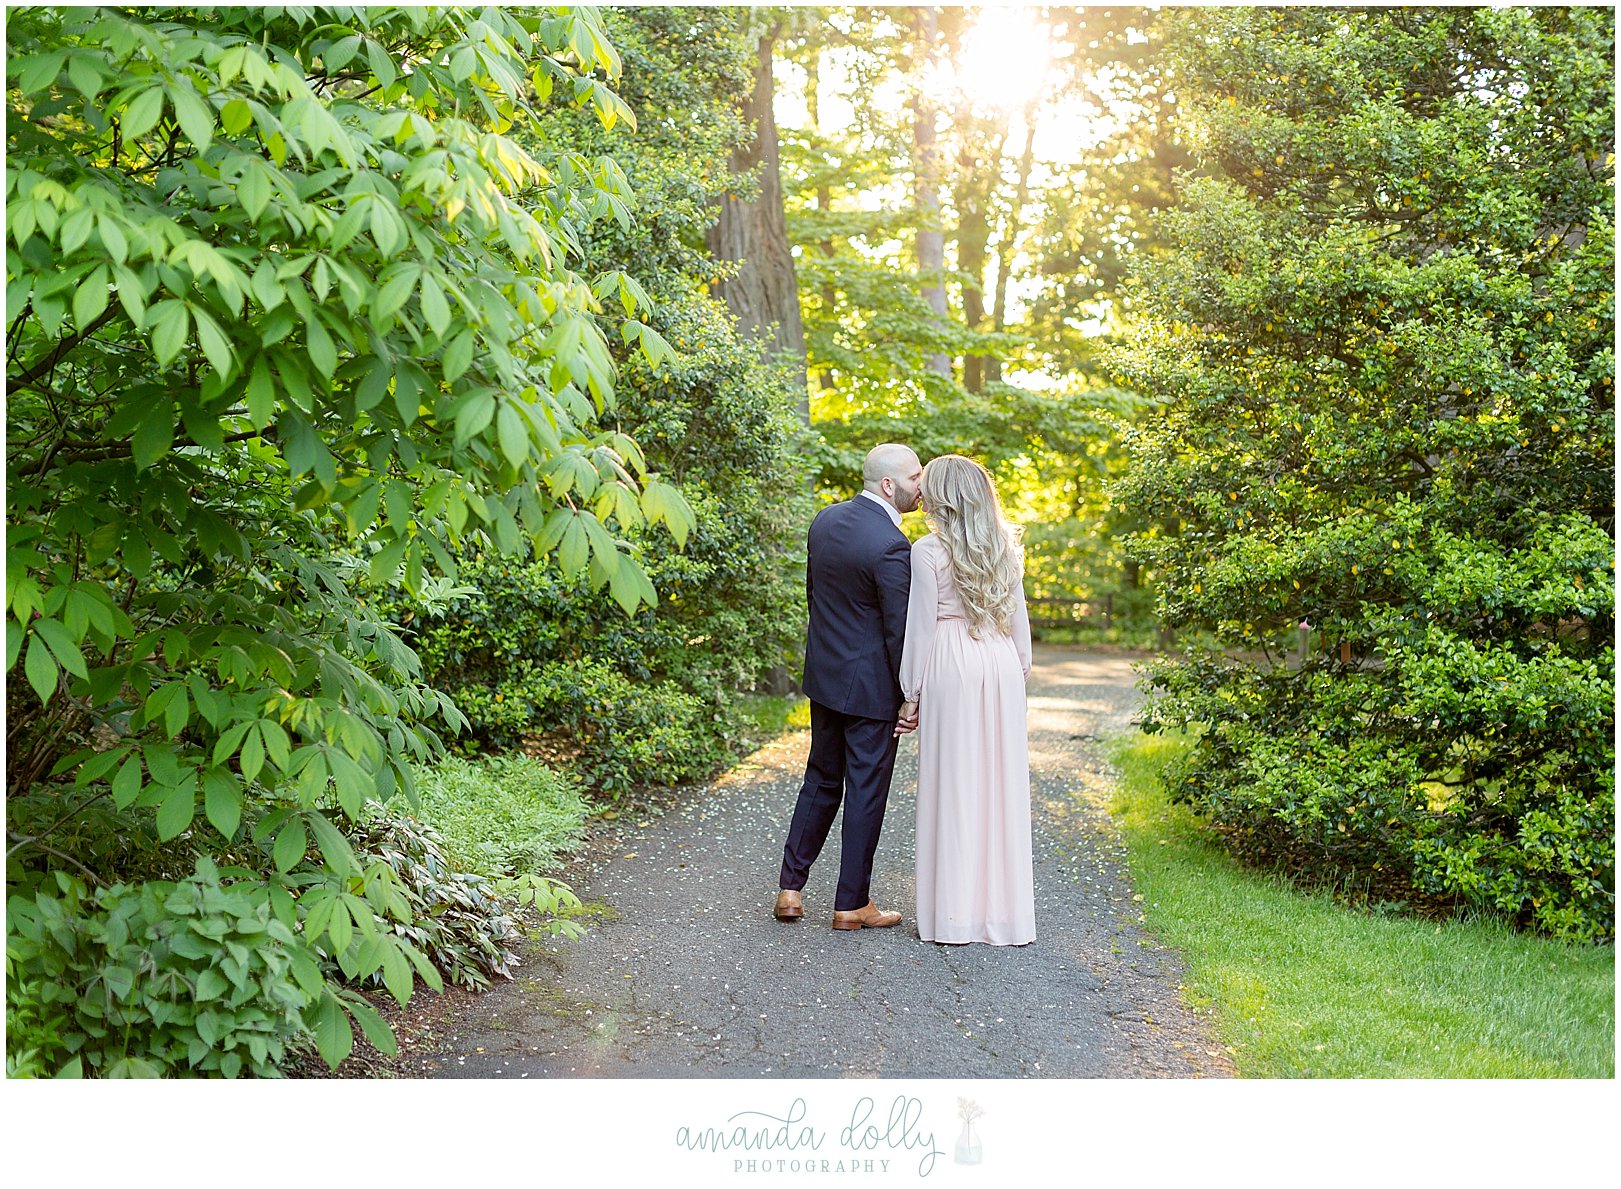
<point>975,879</point>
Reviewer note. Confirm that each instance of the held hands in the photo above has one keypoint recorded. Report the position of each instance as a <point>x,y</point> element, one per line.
<point>908,719</point>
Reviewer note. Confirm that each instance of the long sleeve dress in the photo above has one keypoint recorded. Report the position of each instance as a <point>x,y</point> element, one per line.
<point>975,879</point>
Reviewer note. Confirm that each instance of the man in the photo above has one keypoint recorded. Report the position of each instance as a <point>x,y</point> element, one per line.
<point>858,576</point>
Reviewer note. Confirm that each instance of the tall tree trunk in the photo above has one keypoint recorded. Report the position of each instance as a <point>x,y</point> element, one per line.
<point>825,380</point>
<point>979,169</point>
<point>931,240</point>
<point>1010,230</point>
<point>973,234</point>
<point>764,295</point>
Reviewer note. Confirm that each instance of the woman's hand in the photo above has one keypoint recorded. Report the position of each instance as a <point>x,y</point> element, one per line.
<point>908,719</point>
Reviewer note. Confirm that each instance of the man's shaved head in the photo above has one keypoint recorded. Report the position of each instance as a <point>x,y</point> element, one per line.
<point>893,473</point>
<point>892,460</point>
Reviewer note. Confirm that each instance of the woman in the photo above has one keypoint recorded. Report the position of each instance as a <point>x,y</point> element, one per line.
<point>963,667</point>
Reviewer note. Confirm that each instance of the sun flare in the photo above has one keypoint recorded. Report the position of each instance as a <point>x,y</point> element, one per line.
<point>1004,58</point>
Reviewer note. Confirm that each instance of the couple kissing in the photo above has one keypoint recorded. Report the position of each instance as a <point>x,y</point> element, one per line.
<point>932,638</point>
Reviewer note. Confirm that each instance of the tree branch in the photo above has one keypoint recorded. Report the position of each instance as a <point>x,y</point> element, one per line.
<point>48,364</point>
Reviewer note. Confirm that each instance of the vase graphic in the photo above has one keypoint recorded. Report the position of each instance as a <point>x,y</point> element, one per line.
<point>968,1149</point>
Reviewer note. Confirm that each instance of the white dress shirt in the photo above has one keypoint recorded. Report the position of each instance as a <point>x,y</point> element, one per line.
<point>885,505</point>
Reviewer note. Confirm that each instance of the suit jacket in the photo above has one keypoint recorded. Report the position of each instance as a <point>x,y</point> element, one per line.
<point>858,576</point>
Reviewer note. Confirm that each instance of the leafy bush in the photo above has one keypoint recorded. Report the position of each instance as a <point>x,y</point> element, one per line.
<point>502,815</point>
<point>646,697</point>
<point>155,979</point>
<point>295,314</point>
<point>463,922</point>
<point>1381,345</point>
<point>615,733</point>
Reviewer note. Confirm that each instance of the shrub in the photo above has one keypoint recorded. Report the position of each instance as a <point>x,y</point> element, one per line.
<point>502,815</point>
<point>156,979</point>
<point>1534,842</point>
<point>615,733</point>
<point>1381,347</point>
<point>455,918</point>
<point>467,924</point>
<point>286,405</point>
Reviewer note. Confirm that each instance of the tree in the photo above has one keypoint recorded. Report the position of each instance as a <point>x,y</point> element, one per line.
<point>524,651</point>
<point>752,232</point>
<point>1381,339</point>
<point>294,313</point>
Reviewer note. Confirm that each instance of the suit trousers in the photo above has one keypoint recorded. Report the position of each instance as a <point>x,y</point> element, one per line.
<point>851,759</point>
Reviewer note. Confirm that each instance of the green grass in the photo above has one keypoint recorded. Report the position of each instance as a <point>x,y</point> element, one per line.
<point>769,715</point>
<point>1302,986</point>
<point>502,815</point>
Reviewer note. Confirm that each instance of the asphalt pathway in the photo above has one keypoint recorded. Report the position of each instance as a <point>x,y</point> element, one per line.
<point>684,972</point>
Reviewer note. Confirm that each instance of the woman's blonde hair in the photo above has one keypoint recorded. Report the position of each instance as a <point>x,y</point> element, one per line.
<point>987,561</point>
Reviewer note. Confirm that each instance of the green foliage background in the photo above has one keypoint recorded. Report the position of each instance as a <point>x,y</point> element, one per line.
<point>652,699</point>
<point>291,322</point>
<point>1381,344</point>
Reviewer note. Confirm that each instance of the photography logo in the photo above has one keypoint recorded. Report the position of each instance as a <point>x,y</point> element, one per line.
<point>859,1138</point>
<point>969,1149</point>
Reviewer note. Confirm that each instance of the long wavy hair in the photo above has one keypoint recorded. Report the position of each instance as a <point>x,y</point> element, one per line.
<point>987,559</point>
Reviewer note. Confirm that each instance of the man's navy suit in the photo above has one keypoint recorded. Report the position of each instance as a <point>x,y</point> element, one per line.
<point>858,576</point>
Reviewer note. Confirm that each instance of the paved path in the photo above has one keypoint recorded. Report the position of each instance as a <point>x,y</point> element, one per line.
<point>686,974</point>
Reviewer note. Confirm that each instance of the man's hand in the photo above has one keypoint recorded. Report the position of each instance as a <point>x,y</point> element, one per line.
<point>908,719</point>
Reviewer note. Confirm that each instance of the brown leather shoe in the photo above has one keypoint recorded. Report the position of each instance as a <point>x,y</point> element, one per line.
<point>790,906</point>
<point>870,917</point>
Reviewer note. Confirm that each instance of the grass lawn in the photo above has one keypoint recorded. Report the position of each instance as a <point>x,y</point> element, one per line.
<point>1301,986</point>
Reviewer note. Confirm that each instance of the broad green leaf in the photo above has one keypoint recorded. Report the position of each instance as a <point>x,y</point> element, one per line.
<point>236,117</point>
<point>62,645</point>
<point>661,502</point>
<point>114,240</point>
<point>575,548</point>
<point>290,846</point>
<point>435,310</point>
<point>195,116</point>
<point>91,298</point>
<point>253,191</point>
<point>252,756</point>
<point>654,346</point>
<point>40,669</point>
<point>379,1033</point>
<point>459,355</point>
<point>385,563</point>
<point>86,74</point>
<point>15,636</point>
<point>175,811</point>
<point>176,713</point>
<point>76,229</point>
<point>211,984</point>
<point>335,848</point>
<point>154,435</point>
<point>386,229</point>
<point>214,343</point>
<point>126,785</point>
<point>169,322</point>
<point>130,295</point>
<point>261,394</point>
<point>394,292</point>
<point>374,388</point>
<point>143,112</point>
<point>334,1039</point>
<point>396,971</point>
<point>474,416</point>
<point>230,741</point>
<point>322,353</point>
<point>513,434</point>
<point>382,66</point>
<point>222,801</point>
